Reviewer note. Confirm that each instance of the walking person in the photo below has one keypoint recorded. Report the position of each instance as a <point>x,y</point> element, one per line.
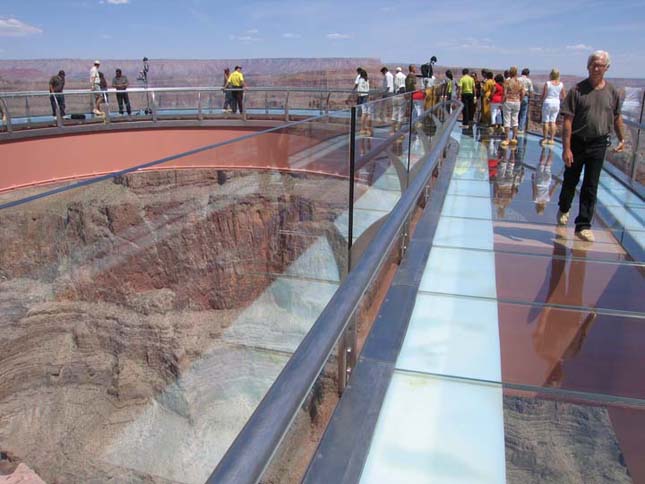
<point>513,93</point>
<point>553,93</point>
<point>120,83</point>
<point>590,109</point>
<point>466,89</point>
<point>398,103</point>
<point>236,83</point>
<point>56,86</point>
<point>527,84</point>
<point>103,85</point>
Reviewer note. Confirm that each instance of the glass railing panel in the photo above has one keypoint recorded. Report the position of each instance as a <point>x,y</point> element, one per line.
<point>176,103</point>
<point>163,303</point>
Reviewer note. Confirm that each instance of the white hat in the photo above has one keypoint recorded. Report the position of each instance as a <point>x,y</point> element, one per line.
<point>398,69</point>
<point>97,62</point>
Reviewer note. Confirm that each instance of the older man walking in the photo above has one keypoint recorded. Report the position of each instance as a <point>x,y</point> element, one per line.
<point>590,109</point>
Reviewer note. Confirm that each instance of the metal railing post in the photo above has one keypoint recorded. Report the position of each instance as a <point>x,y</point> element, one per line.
<point>153,106</point>
<point>286,107</point>
<point>28,112</point>
<point>200,115</point>
<point>266,102</point>
<point>6,116</point>
<point>327,106</point>
<point>347,343</point>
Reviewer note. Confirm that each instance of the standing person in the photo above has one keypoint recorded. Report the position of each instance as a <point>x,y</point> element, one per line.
<point>513,92</point>
<point>590,109</point>
<point>411,86</point>
<point>120,83</point>
<point>398,103</point>
<point>388,91</point>
<point>476,108</point>
<point>95,85</point>
<point>553,93</point>
<point>236,82</point>
<point>228,95</point>
<point>103,96</point>
<point>399,81</point>
<point>496,100</point>
<point>466,88</point>
<point>527,84</point>
<point>363,90</point>
<point>56,85</point>
<point>487,94</point>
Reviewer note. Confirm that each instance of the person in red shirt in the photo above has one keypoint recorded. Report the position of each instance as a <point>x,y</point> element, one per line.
<point>496,100</point>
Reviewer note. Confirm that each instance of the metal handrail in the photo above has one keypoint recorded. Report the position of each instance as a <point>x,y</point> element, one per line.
<point>8,94</point>
<point>247,458</point>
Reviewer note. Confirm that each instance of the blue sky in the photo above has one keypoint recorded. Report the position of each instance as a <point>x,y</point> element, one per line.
<point>537,34</point>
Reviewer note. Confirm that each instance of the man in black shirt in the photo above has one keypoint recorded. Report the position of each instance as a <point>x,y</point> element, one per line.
<point>56,85</point>
<point>120,83</point>
<point>590,109</point>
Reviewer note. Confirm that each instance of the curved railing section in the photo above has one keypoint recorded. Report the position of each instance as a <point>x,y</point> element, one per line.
<point>38,109</point>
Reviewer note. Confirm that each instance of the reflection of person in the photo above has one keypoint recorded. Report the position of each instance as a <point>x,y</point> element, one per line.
<point>120,83</point>
<point>589,110</point>
<point>236,82</point>
<point>507,182</point>
<point>56,85</point>
<point>543,186</point>
<point>552,94</point>
<point>559,335</point>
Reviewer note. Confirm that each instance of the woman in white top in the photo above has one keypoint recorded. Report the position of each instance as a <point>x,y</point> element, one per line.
<point>552,94</point>
<point>363,91</point>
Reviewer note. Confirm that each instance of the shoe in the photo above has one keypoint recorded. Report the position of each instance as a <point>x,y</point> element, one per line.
<point>563,218</point>
<point>551,142</point>
<point>97,112</point>
<point>544,142</point>
<point>586,235</point>
<point>520,133</point>
<point>514,141</point>
<point>504,143</point>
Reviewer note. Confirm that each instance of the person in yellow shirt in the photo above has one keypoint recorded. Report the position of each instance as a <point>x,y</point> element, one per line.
<point>466,88</point>
<point>236,82</point>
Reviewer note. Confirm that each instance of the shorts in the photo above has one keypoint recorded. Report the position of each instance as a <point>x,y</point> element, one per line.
<point>511,113</point>
<point>365,107</point>
<point>550,112</point>
<point>496,113</point>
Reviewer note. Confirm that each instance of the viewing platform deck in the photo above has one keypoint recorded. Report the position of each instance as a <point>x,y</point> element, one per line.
<point>184,307</point>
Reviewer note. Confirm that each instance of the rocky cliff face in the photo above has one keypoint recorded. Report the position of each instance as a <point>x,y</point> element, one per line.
<point>114,303</point>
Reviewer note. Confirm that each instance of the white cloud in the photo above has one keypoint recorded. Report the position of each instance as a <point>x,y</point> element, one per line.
<point>289,35</point>
<point>11,27</point>
<point>244,38</point>
<point>252,31</point>
<point>579,47</point>
<point>337,36</point>
<point>106,36</point>
<point>118,2</point>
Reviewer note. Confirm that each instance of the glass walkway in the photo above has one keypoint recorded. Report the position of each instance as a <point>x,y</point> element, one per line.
<point>522,360</point>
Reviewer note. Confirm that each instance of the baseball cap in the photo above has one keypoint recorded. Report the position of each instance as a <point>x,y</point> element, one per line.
<point>97,62</point>
<point>398,69</point>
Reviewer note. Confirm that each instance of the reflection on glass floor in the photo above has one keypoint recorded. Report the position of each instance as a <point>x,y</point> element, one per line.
<point>522,360</point>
